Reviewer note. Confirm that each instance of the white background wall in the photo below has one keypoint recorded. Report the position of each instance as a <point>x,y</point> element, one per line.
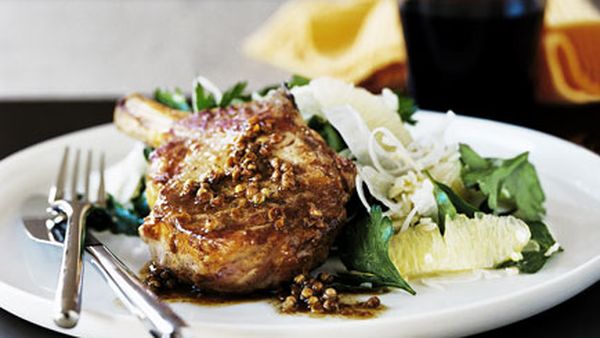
<point>104,48</point>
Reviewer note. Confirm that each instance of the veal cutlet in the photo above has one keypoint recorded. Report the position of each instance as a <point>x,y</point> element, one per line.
<point>243,197</point>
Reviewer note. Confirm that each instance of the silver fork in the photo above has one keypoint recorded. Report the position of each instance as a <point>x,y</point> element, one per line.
<point>76,208</point>
<point>137,298</point>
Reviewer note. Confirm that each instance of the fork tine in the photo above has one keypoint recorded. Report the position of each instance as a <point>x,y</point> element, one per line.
<point>75,176</point>
<point>88,170</point>
<point>57,190</point>
<point>101,200</point>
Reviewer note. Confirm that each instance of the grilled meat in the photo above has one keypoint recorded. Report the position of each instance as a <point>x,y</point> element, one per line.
<point>243,197</point>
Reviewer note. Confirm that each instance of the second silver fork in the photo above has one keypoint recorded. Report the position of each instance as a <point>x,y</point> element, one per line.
<point>76,207</point>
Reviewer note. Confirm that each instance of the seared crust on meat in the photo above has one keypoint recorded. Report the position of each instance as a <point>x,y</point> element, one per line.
<point>245,197</point>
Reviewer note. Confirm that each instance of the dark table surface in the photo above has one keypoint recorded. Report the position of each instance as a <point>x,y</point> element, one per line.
<point>26,123</point>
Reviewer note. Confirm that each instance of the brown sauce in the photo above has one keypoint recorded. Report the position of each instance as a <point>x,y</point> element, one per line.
<point>189,296</point>
<point>350,305</point>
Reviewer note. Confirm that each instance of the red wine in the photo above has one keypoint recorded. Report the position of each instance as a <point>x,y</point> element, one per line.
<point>472,56</point>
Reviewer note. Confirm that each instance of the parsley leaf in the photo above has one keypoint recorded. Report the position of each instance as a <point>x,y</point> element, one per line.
<point>355,281</point>
<point>264,90</point>
<point>234,95</point>
<point>297,80</point>
<point>118,218</point>
<point>331,136</point>
<point>139,202</point>
<point>406,108</point>
<point>148,152</point>
<point>115,217</point>
<point>534,253</point>
<point>173,99</point>
<point>203,99</point>
<point>511,184</point>
<point>364,247</point>
<point>444,206</point>
<point>448,203</point>
<point>294,81</point>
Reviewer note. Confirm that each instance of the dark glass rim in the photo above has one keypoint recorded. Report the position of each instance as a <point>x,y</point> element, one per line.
<point>474,8</point>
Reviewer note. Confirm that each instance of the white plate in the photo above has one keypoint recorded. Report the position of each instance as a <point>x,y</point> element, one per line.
<point>569,175</point>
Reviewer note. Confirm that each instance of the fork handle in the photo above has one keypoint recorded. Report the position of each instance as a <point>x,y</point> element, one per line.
<point>68,296</point>
<point>156,315</point>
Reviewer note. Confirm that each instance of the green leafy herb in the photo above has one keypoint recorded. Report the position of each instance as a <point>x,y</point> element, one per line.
<point>354,281</point>
<point>511,184</point>
<point>115,217</point>
<point>460,205</point>
<point>138,201</point>
<point>406,108</point>
<point>535,252</point>
<point>297,80</point>
<point>331,136</point>
<point>203,99</point>
<point>147,152</point>
<point>173,99</point>
<point>234,95</point>
<point>119,219</point>
<point>264,90</point>
<point>448,203</point>
<point>445,208</point>
<point>364,248</point>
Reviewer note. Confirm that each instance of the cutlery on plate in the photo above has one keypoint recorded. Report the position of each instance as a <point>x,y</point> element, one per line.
<point>75,207</point>
<point>138,299</point>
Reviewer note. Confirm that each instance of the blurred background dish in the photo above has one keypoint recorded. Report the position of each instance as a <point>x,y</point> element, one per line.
<point>498,42</point>
<point>526,78</point>
<point>359,41</point>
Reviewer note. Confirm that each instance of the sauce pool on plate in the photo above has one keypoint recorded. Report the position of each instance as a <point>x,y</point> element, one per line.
<point>314,296</point>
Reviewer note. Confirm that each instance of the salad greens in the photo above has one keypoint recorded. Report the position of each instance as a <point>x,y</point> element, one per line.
<point>510,184</point>
<point>449,204</point>
<point>203,99</point>
<point>406,108</point>
<point>297,80</point>
<point>461,206</point>
<point>535,253</point>
<point>513,187</point>
<point>364,248</point>
<point>512,177</point>
<point>174,99</point>
<point>118,218</point>
<point>331,136</point>
<point>355,281</point>
<point>147,152</point>
<point>539,249</point>
<point>234,95</point>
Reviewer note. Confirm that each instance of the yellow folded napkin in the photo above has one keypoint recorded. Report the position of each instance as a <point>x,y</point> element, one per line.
<point>346,39</point>
<point>569,64</point>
